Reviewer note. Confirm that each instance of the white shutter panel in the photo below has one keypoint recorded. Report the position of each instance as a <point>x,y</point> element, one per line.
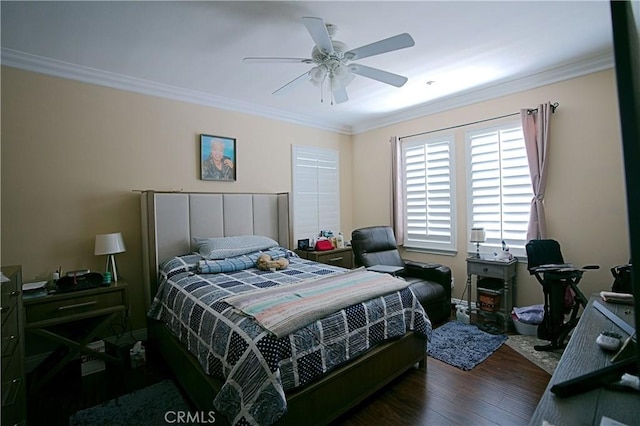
<point>428,188</point>
<point>316,191</point>
<point>500,189</point>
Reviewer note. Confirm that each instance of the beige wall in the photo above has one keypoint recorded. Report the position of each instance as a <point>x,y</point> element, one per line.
<point>585,200</point>
<point>73,153</point>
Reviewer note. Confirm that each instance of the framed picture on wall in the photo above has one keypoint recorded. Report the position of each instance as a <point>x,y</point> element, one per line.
<point>217,158</point>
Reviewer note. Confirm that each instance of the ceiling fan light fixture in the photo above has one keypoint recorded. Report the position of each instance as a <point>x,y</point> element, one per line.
<point>341,72</point>
<point>317,75</point>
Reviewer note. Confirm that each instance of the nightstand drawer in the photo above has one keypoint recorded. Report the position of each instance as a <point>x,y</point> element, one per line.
<point>55,309</point>
<point>486,270</point>
<point>342,259</point>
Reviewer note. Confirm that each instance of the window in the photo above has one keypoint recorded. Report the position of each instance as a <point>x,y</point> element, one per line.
<point>428,188</point>
<point>316,191</point>
<point>499,186</point>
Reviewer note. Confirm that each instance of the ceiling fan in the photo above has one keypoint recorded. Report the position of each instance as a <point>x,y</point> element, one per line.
<point>332,60</point>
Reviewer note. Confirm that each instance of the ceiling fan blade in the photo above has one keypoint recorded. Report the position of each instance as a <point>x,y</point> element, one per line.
<point>378,74</point>
<point>267,60</point>
<point>293,83</point>
<point>319,34</point>
<point>390,44</point>
<point>339,93</point>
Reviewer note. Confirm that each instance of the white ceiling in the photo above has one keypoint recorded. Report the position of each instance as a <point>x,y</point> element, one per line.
<point>193,51</point>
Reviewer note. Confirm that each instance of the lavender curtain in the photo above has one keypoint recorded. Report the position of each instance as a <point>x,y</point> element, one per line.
<point>397,196</point>
<point>535,126</point>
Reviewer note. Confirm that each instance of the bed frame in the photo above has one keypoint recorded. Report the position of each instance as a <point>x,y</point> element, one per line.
<point>170,220</point>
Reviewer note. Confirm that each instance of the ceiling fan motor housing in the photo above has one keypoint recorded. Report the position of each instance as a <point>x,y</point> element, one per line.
<point>338,52</point>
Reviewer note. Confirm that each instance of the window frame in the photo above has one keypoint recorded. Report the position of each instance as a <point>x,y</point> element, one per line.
<point>308,205</point>
<point>430,245</point>
<point>491,241</point>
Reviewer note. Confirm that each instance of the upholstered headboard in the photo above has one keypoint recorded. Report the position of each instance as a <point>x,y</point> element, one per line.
<point>170,220</point>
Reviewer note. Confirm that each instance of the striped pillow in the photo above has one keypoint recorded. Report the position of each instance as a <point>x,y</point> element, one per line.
<point>225,247</point>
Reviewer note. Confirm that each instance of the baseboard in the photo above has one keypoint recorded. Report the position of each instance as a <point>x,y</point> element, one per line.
<point>454,302</point>
<point>126,339</point>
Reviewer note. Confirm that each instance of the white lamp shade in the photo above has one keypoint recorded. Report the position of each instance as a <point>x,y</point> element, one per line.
<point>477,235</point>
<point>109,244</point>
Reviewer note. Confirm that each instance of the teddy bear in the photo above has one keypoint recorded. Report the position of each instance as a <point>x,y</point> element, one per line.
<point>266,263</point>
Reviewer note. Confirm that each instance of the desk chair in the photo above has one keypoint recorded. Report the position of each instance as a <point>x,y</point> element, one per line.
<point>562,296</point>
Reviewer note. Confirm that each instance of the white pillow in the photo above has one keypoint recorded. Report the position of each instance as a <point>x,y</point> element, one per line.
<point>225,247</point>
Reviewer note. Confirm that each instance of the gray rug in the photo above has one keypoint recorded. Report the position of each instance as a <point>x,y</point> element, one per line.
<point>462,345</point>
<point>547,360</point>
<point>148,406</point>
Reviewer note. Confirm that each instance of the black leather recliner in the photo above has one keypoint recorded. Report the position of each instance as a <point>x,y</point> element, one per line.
<point>430,282</point>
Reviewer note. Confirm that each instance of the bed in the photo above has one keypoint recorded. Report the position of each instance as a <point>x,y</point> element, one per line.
<point>314,391</point>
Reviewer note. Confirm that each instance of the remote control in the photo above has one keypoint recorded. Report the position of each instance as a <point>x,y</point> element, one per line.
<point>608,340</point>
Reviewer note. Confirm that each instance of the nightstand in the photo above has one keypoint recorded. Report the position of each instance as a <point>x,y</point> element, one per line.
<point>72,320</point>
<point>505,273</point>
<point>342,257</point>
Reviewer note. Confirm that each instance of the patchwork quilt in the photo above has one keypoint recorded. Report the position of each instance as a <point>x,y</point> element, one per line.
<point>256,366</point>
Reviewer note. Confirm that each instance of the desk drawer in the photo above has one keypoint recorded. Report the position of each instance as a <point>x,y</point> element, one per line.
<point>66,308</point>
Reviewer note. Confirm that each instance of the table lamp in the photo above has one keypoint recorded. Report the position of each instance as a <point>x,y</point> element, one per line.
<point>110,244</point>
<point>477,236</point>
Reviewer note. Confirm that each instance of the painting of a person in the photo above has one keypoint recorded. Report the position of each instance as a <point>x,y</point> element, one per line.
<point>218,166</point>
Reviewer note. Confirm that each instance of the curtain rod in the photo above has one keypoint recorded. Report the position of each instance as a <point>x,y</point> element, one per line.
<point>529,111</point>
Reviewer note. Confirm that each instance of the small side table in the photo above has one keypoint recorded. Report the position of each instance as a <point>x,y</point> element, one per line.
<point>342,257</point>
<point>505,271</point>
<point>60,316</point>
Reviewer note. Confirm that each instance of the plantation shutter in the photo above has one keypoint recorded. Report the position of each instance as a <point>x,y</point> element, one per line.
<point>429,221</point>
<point>500,189</point>
<point>316,191</point>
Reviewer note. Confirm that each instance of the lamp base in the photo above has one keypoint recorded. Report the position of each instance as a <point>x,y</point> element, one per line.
<point>111,261</point>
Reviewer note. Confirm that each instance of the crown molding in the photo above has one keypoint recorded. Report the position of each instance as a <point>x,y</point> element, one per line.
<point>29,62</point>
<point>25,61</point>
<point>602,61</point>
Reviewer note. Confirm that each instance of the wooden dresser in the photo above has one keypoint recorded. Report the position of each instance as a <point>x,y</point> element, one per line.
<point>14,390</point>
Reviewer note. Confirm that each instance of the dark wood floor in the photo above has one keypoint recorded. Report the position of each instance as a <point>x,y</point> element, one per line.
<point>503,390</point>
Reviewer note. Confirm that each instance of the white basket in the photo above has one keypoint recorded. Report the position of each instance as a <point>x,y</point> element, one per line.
<point>525,329</point>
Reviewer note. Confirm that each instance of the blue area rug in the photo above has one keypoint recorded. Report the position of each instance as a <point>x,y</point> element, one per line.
<point>154,405</point>
<point>462,345</point>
